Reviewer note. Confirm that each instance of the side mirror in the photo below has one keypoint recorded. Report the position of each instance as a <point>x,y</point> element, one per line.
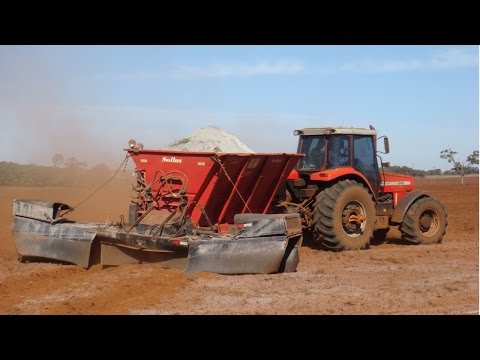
<point>386,164</point>
<point>385,145</point>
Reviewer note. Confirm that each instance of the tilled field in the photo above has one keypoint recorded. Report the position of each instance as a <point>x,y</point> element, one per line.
<point>388,278</point>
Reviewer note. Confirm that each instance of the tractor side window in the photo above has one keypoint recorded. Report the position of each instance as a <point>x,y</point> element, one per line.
<point>364,154</point>
<point>364,159</point>
<point>338,151</point>
<point>314,150</point>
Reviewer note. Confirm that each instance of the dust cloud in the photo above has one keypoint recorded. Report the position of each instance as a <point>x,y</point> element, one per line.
<point>39,113</point>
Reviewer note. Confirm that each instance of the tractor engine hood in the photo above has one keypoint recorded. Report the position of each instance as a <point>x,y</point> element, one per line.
<point>397,182</point>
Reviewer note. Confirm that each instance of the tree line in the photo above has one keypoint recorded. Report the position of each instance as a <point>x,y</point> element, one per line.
<point>13,174</point>
<point>422,173</point>
<point>459,167</point>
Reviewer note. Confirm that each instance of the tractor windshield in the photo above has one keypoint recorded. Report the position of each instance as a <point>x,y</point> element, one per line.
<point>338,151</point>
<point>314,150</point>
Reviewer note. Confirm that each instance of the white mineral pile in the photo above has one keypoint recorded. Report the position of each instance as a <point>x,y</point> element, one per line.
<point>210,138</point>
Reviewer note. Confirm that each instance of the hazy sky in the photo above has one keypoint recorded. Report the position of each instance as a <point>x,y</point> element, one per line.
<point>88,101</point>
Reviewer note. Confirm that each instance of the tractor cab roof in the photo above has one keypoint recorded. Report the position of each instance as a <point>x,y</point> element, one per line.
<point>336,130</point>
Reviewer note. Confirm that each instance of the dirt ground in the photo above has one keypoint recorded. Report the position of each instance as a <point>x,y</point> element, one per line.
<point>388,278</point>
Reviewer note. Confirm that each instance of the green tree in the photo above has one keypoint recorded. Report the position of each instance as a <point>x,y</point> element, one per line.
<point>460,167</point>
<point>58,160</point>
<point>72,162</point>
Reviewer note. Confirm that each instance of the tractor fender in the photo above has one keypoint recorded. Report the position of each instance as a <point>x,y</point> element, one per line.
<point>404,204</point>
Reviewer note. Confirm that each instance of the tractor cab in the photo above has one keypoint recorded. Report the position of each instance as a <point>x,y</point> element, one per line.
<point>332,152</point>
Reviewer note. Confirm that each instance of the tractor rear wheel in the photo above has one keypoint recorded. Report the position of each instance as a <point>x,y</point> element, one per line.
<point>425,222</point>
<point>344,216</point>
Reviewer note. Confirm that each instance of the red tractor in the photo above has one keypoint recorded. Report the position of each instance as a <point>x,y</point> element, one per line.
<point>347,199</point>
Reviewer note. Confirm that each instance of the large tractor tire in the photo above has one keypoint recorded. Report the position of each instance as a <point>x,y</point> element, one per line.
<point>425,222</point>
<point>344,216</point>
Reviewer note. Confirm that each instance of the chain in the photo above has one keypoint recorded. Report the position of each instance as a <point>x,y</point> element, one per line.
<point>123,164</point>
<point>233,184</point>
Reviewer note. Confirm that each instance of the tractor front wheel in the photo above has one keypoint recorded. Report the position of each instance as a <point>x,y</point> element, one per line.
<point>344,216</point>
<point>425,222</point>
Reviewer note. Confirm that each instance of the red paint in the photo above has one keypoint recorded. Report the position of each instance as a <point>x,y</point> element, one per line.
<point>223,228</point>
<point>293,175</point>
<point>332,174</point>
<point>400,182</point>
<point>257,178</point>
<point>399,185</point>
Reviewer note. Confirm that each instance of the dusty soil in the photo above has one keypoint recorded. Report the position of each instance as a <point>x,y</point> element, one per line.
<point>388,278</point>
